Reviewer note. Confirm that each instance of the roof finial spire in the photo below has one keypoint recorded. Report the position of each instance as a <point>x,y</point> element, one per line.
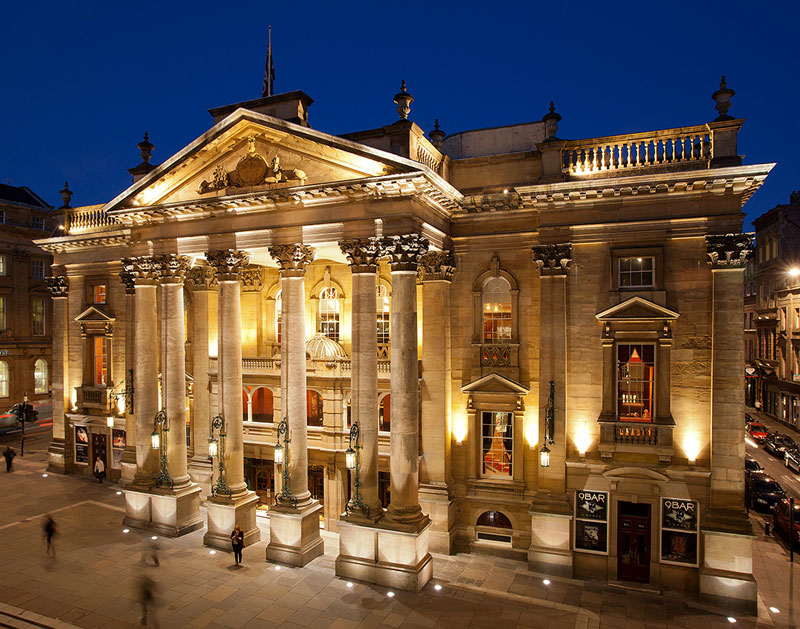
<point>437,135</point>
<point>269,69</point>
<point>551,120</point>
<point>723,97</point>
<point>66,196</point>
<point>403,100</point>
<point>145,148</point>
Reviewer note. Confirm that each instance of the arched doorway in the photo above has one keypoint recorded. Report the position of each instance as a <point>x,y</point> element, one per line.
<point>262,405</point>
<point>313,408</point>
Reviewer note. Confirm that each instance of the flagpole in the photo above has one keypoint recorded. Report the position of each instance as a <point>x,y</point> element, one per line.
<point>269,64</point>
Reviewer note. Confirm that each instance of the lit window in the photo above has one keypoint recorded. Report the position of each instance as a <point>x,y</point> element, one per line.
<point>37,306</point>
<point>498,443</point>
<point>497,311</point>
<point>329,313</point>
<point>384,307</point>
<point>278,310</point>
<point>3,378</point>
<point>40,376</point>
<point>37,268</point>
<point>636,272</point>
<point>635,380</point>
<point>100,348</point>
<point>314,410</point>
<point>99,294</point>
<point>37,222</point>
<point>385,413</point>
<point>3,267</point>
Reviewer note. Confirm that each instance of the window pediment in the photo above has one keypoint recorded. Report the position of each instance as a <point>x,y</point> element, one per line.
<point>495,383</point>
<point>93,313</point>
<point>637,309</point>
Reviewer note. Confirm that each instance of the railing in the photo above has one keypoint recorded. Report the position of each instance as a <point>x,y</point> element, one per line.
<point>636,437</point>
<point>258,364</point>
<point>638,150</point>
<point>383,351</point>
<point>640,434</point>
<point>495,356</point>
<point>93,397</point>
<point>4,334</point>
<point>82,221</point>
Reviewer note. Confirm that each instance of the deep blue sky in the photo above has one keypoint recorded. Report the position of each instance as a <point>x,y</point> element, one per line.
<point>83,80</point>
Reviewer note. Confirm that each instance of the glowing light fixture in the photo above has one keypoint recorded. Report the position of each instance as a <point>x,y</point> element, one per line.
<point>775,610</point>
<point>349,584</point>
<point>278,454</point>
<point>155,440</point>
<point>794,271</point>
<point>390,594</point>
<point>546,581</point>
<point>350,458</point>
<point>437,587</point>
<point>110,421</point>
<point>126,530</point>
<point>544,456</point>
<point>212,447</point>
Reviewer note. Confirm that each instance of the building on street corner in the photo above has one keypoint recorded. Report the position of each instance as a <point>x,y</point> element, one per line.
<point>492,341</point>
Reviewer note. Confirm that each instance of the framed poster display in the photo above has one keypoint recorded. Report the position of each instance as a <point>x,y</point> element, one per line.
<point>591,522</point>
<point>118,442</point>
<point>82,445</point>
<point>680,525</point>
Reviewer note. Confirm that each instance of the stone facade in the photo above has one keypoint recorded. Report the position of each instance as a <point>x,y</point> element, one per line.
<point>546,371</point>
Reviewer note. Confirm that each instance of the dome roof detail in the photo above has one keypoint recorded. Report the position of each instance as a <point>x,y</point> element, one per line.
<point>320,347</point>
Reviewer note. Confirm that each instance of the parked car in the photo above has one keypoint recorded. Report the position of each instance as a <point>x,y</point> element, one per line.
<point>751,465</point>
<point>781,517</point>
<point>763,492</point>
<point>9,422</point>
<point>758,432</point>
<point>791,459</point>
<point>776,443</point>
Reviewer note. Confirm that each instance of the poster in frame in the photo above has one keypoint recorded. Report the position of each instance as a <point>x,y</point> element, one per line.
<point>590,533</point>
<point>81,445</point>
<point>680,523</point>
<point>591,536</point>
<point>678,548</point>
<point>118,439</point>
<point>591,505</point>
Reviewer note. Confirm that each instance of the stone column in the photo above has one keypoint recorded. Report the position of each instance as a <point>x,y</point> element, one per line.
<point>203,282</point>
<point>436,480</point>
<point>550,549</point>
<point>128,460</point>
<point>59,454</point>
<point>726,574</point>
<point>294,521</point>
<point>363,256</point>
<point>225,511</point>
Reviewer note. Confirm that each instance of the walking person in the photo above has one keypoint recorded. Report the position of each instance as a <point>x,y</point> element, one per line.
<point>9,453</point>
<point>99,469</point>
<point>49,533</point>
<point>237,541</point>
<point>147,595</point>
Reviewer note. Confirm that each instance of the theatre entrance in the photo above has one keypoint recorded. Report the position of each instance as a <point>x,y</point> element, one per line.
<point>633,542</point>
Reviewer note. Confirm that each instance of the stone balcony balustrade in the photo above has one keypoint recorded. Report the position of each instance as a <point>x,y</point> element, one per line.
<point>92,397</point>
<point>88,219</point>
<point>636,438</point>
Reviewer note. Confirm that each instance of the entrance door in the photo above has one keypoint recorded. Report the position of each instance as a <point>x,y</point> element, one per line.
<point>316,482</point>
<point>633,542</point>
<point>98,449</point>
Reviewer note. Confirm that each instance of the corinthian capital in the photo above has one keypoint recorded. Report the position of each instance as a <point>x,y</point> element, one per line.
<point>293,259</point>
<point>363,254</point>
<point>552,259</point>
<point>202,278</point>
<point>143,269</point>
<point>728,251</point>
<point>438,265</point>
<point>404,252</point>
<point>173,268</point>
<point>58,285</point>
<point>251,279</point>
<point>228,263</point>
<point>126,277</point>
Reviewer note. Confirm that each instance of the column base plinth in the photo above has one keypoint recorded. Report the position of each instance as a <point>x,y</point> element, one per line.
<point>294,535</point>
<point>170,514</point>
<point>225,513</point>
<point>201,471</point>
<point>437,502</point>
<point>127,466</point>
<point>550,551</point>
<point>59,457</point>
<point>376,554</point>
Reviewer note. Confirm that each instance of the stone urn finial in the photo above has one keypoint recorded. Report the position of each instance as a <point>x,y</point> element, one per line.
<point>66,197</point>
<point>723,97</point>
<point>403,100</point>
<point>551,120</point>
<point>145,148</point>
<point>437,135</point>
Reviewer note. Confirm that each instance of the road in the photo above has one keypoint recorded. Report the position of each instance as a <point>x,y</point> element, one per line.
<point>773,465</point>
<point>37,436</point>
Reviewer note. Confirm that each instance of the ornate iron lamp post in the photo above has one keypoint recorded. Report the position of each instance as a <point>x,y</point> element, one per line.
<point>218,424</point>
<point>158,441</point>
<point>549,427</point>
<point>126,394</point>
<point>282,458</point>
<point>352,458</point>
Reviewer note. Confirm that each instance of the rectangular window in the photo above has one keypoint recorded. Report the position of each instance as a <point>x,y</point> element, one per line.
<point>383,328</point>
<point>2,313</point>
<point>498,443</point>
<point>3,267</point>
<point>37,268</point>
<point>37,222</point>
<point>37,308</point>
<point>636,272</point>
<point>99,294</point>
<point>2,217</point>
<point>100,347</point>
<point>635,382</point>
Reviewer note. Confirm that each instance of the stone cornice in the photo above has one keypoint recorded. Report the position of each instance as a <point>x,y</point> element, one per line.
<point>293,259</point>
<point>228,263</point>
<point>404,252</point>
<point>729,251</point>
<point>95,240</point>
<point>363,254</point>
<point>552,259</point>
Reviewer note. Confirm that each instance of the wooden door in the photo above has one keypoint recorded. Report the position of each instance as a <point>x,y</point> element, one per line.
<point>633,542</point>
<point>99,449</point>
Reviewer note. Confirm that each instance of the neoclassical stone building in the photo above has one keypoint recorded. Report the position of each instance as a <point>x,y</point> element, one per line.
<point>539,341</point>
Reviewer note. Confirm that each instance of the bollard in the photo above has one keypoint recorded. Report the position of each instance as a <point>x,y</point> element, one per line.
<point>766,528</point>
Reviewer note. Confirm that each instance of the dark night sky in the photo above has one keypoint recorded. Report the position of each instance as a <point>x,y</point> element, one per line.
<point>83,80</point>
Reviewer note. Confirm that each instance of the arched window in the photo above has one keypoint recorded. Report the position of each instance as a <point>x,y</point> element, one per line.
<point>3,378</point>
<point>383,304</point>
<point>40,376</point>
<point>245,405</point>
<point>494,528</point>
<point>329,312</point>
<point>262,402</point>
<point>496,311</point>
<point>384,413</point>
<point>494,518</point>
<point>278,310</point>
<point>313,408</point>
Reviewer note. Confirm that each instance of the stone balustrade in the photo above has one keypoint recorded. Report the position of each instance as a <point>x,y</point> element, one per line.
<point>83,220</point>
<point>636,437</point>
<point>94,397</point>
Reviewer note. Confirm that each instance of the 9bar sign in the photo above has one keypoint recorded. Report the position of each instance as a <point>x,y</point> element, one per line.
<point>591,521</point>
<point>591,505</point>
<point>679,529</point>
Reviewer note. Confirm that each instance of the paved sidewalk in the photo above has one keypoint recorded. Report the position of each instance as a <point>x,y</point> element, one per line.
<point>92,581</point>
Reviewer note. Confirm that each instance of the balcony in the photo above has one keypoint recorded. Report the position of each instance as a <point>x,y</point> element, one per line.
<point>91,397</point>
<point>340,368</point>
<point>86,220</point>
<point>636,438</point>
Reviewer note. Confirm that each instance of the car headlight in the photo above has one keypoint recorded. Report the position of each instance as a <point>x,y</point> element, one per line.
<point>761,500</point>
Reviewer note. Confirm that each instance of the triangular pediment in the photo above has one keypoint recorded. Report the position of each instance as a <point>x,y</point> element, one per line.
<point>238,155</point>
<point>494,383</point>
<point>637,309</point>
<point>93,313</point>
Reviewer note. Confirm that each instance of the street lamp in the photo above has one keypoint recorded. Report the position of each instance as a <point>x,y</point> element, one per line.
<point>158,440</point>
<point>351,462</point>
<point>218,424</point>
<point>110,421</point>
<point>281,454</point>
<point>124,399</point>
<point>544,456</point>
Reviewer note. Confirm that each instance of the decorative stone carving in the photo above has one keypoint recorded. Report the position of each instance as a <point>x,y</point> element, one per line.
<point>438,265</point>
<point>404,252</point>
<point>58,285</point>
<point>174,268</point>
<point>293,259</point>
<point>251,279</point>
<point>552,259</point>
<point>728,251</point>
<point>126,277</point>
<point>202,278</point>
<point>228,263</point>
<point>363,254</point>
<point>143,269</point>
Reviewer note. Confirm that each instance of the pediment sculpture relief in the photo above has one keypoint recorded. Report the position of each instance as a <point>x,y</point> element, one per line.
<point>253,169</point>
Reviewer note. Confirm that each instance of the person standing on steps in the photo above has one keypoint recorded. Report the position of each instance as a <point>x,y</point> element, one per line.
<point>9,453</point>
<point>237,541</point>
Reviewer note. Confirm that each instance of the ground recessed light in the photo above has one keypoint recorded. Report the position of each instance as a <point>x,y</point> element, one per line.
<point>437,587</point>
<point>390,594</point>
<point>277,567</point>
<point>546,581</point>
<point>154,537</point>
<point>126,530</point>
<point>119,493</point>
<point>44,475</point>
<point>212,552</point>
<point>349,584</point>
<point>731,619</point>
<point>775,610</point>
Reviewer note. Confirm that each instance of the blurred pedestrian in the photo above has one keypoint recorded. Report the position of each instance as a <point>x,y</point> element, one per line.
<point>151,551</point>
<point>49,533</point>
<point>9,453</point>
<point>99,469</point>
<point>237,541</point>
<point>147,595</point>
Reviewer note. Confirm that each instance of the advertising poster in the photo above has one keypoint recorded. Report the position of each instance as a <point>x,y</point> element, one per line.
<point>591,505</point>
<point>118,441</point>
<point>591,536</point>
<point>678,547</point>
<point>679,529</point>
<point>591,521</point>
<point>679,514</point>
<point>81,444</point>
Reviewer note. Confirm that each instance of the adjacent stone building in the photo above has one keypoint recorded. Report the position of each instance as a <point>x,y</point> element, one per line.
<point>537,340</point>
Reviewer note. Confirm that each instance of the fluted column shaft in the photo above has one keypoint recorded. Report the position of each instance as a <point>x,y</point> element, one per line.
<point>129,455</point>
<point>203,282</point>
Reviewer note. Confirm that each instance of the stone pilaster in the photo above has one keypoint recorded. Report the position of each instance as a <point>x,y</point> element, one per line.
<point>294,526</point>
<point>550,510</point>
<point>128,460</point>
<point>59,454</point>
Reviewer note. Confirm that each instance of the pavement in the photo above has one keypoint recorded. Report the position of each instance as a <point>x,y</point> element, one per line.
<point>94,579</point>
